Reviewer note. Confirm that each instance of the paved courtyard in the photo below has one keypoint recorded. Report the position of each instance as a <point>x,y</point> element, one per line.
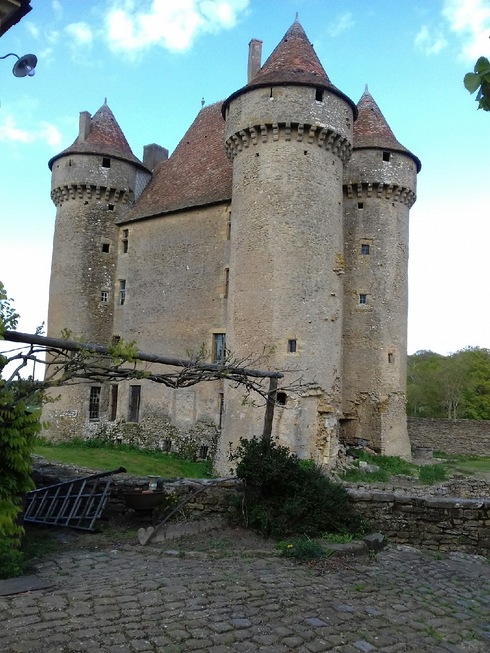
<point>133,598</point>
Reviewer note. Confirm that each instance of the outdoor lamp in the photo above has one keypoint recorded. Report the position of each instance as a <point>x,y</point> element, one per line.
<point>24,66</point>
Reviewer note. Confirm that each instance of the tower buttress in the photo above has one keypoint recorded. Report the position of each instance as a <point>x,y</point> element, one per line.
<point>379,189</point>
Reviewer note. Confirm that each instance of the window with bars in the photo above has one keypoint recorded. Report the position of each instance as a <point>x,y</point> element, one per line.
<point>94,403</point>
<point>122,291</point>
<point>104,296</point>
<point>362,299</point>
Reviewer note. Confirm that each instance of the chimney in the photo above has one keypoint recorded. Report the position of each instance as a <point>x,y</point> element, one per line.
<point>153,154</point>
<point>84,126</point>
<point>254,58</point>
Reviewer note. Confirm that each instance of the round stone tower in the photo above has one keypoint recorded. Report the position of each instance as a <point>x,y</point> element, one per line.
<point>379,189</point>
<point>92,183</point>
<point>288,133</point>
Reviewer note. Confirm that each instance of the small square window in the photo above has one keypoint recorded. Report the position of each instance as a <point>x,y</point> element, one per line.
<point>110,207</point>
<point>386,156</point>
<point>104,296</point>
<point>106,162</point>
<point>364,248</point>
<point>360,205</point>
<point>292,346</point>
<point>362,298</point>
<point>105,248</point>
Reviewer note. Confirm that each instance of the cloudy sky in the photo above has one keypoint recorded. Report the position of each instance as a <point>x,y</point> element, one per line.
<point>154,60</point>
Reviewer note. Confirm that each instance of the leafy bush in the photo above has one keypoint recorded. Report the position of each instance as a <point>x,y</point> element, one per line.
<point>283,496</point>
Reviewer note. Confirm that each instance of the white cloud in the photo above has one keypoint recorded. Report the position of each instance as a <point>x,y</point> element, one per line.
<point>80,33</point>
<point>470,20</point>
<point>430,41</point>
<point>57,8</point>
<point>343,23</point>
<point>9,132</point>
<point>172,25</point>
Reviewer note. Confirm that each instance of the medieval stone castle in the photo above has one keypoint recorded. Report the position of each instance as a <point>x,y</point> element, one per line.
<point>279,223</point>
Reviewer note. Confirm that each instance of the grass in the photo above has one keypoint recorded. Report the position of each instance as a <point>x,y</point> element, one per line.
<point>97,454</point>
<point>465,464</point>
<point>388,466</point>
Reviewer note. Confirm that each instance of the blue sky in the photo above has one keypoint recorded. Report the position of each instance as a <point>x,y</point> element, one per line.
<point>154,60</point>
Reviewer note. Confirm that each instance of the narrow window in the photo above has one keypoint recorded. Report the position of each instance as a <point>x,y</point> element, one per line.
<point>319,95</point>
<point>364,248</point>
<point>114,395</point>
<point>105,248</point>
<point>125,241</point>
<point>221,400</point>
<point>360,205</point>
<point>362,298</point>
<point>104,296</point>
<point>219,347</point>
<point>386,156</point>
<point>391,357</point>
<point>228,227</point>
<point>292,346</point>
<point>122,291</point>
<point>94,403</point>
<point>227,281</point>
<point>134,403</point>
<point>167,445</point>
<point>106,162</point>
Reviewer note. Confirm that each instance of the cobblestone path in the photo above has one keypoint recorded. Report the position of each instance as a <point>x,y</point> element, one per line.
<point>142,599</point>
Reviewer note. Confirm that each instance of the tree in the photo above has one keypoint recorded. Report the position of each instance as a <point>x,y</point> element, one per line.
<point>479,80</point>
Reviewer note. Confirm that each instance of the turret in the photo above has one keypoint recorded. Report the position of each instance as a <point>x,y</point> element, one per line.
<point>379,189</point>
<point>93,181</point>
<point>289,133</point>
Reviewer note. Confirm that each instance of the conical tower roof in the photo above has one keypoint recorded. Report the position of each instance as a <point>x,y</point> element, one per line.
<point>105,137</point>
<point>293,61</point>
<point>372,131</point>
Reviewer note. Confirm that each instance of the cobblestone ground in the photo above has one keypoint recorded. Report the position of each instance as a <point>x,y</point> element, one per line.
<point>142,599</point>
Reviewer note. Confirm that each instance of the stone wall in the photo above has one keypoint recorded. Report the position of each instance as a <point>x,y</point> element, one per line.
<point>419,516</point>
<point>458,436</point>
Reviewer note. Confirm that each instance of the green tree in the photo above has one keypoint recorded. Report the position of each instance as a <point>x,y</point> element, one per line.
<point>479,80</point>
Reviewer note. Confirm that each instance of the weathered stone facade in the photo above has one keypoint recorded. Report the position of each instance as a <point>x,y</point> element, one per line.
<point>466,437</point>
<point>280,222</point>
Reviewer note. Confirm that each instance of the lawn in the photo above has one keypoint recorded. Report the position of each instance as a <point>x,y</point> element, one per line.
<point>98,455</point>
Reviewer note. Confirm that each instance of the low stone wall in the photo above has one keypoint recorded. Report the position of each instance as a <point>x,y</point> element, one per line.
<point>435,522</point>
<point>421,516</point>
<point>453,436</point>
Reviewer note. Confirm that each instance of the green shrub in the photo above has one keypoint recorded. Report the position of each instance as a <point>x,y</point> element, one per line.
<point>430,474</point>
<point>283,496</point>
<point>11,558</point>
<point>304,549</point>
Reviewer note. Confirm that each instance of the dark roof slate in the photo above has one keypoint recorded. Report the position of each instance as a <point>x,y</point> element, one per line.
<point>197,173</point>
<point>293,61</point>
<point>105,137</point>
<point>371,130</point>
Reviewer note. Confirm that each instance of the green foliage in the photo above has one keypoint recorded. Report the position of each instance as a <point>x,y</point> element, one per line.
<point>303,549</point>
<point>8,316</point>
<point>479,80</point>
<point>388,466</point>
<point>11,557</point>
<point>455,386</point>
<point>285,497</point>
<point>430,474</point>
<point>102,454</point>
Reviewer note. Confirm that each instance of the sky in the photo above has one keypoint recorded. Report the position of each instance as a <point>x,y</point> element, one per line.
<point>155,60</point>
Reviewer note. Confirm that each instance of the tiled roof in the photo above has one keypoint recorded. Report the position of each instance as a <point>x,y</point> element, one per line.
<point>105,137</point>
<point>294,61</point>
<point>372,131</point>
<point>197,173</point>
